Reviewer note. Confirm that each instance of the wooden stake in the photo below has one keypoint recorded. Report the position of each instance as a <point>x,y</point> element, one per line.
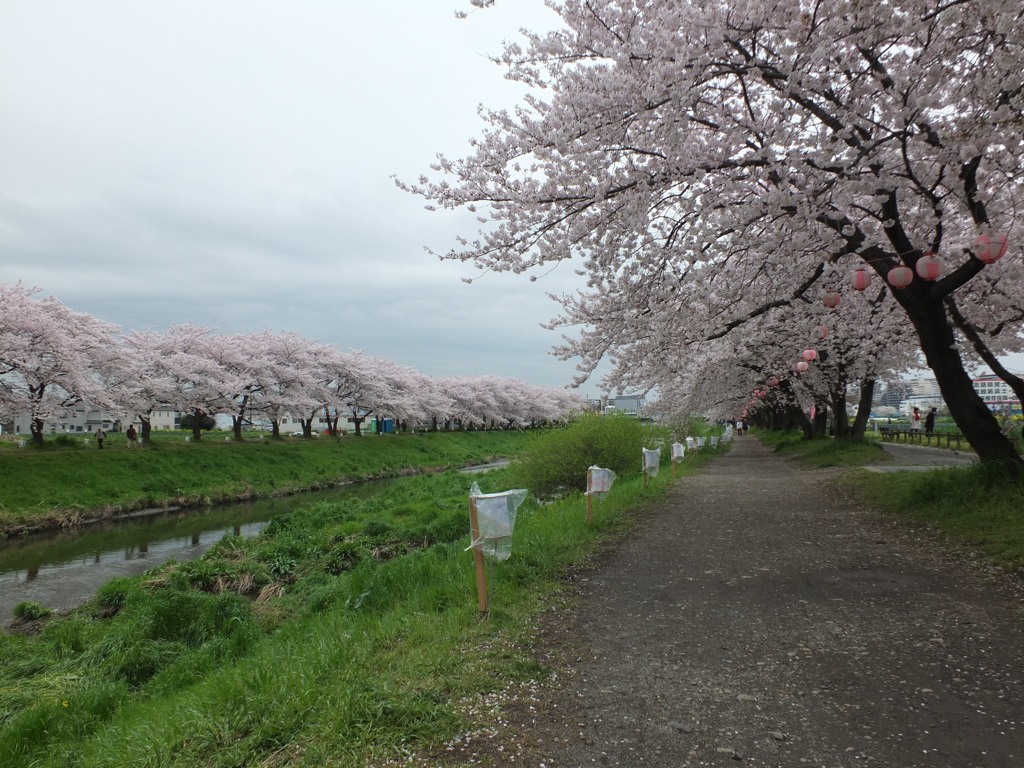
<point>673,467</point>
<point>590,495</point>
<point>478,559</point>
<point>645,478</point>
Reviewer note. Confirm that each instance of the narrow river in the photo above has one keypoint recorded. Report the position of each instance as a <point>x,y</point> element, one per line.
<point>63,569</point>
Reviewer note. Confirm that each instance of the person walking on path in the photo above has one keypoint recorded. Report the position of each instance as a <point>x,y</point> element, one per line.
<point>929,421</point>
<point>787,627</point>
<point>100,437</point>
<point>131,434</point>
<point>915,421</point>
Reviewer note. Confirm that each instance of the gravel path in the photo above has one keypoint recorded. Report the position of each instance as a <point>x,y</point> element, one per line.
<point>922,456</point>
<point>760,617</point>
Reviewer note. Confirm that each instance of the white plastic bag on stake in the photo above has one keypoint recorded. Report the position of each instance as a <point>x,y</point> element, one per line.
<point>678,451</point>
<point>599,481</point>
<point>700,442</point>
<point>495,517</point>
<point>714,442</point>
<point>691,443</point>
<point>652,459</point>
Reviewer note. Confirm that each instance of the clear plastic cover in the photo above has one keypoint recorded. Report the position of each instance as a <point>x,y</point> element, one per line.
<point>495,518</point>
<point>678,451</point>
<point>600,481</point>
<point>652,458</point>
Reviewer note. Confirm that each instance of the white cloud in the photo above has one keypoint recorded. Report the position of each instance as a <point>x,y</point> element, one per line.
<point>230,163</point>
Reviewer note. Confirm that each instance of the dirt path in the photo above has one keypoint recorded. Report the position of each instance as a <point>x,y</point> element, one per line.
<point>758,617</point>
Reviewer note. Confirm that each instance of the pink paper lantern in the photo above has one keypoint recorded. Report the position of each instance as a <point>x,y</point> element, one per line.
<point>929,267</point>
<point>900,277</point>
<point>801,367</point>
<point>821,332</point>
<point>831,299</point>
<point>991,249</point>
<point>809,355</point>
<point>861,279</point>
<point>773,382</point>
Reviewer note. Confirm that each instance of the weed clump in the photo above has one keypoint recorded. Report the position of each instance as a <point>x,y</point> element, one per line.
<point>29,611</point>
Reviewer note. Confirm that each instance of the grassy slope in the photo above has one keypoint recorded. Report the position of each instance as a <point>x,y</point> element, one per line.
<point>47,488</point>
<point>338,670</point>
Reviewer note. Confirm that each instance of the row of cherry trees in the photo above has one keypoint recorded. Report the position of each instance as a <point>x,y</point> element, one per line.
<point>722,167</point>
<point>52,358</point>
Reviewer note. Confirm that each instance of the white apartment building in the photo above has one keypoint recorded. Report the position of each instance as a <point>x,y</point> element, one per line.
<point>997,394</point>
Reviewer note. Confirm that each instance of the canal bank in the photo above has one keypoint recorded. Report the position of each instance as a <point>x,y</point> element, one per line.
<point>60,489</point>
<point>62,569</point>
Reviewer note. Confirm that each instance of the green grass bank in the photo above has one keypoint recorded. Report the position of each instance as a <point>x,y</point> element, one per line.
<point>345,634</point>
<point>56,487</point>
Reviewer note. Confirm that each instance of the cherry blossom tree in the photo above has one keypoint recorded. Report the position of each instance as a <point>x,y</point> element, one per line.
<point>292,381</point>
<point>788,142</point>
<point>142,382</point>
<point>379,387</point>
<point>495,401</point>
<point>194,380</point>
<point>51,357</point>
<point>261,372</point>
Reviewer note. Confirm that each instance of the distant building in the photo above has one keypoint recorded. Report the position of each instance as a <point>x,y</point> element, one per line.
<point>631,405</point>
<point>906,394</point>
<point>79,418</point>
<point>997,394</point>
<point>893,393</point>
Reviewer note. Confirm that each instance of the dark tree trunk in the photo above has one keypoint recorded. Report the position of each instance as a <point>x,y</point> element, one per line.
<point>197,422</point>
<point>840,418</point>
<point>36,427</point>
<point>275,428</point>
<point>147,428</point>
<point>820,421</point>
<point>968,410</point>
<point>926,307</point>
<point>867,396</point>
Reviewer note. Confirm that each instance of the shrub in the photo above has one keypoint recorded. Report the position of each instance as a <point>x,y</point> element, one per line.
<point>559,459</point>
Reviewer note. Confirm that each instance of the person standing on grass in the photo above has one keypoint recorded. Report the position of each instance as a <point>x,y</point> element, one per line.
<point>131,434</point>
<point>915,421</point>
<point>100,437</point>
<point>929,421</point>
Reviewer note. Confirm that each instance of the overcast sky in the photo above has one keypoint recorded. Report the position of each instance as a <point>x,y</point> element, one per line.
<point>229,163</point>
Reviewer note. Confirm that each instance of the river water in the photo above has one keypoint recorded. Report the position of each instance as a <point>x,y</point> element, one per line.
<point>63,569</point>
